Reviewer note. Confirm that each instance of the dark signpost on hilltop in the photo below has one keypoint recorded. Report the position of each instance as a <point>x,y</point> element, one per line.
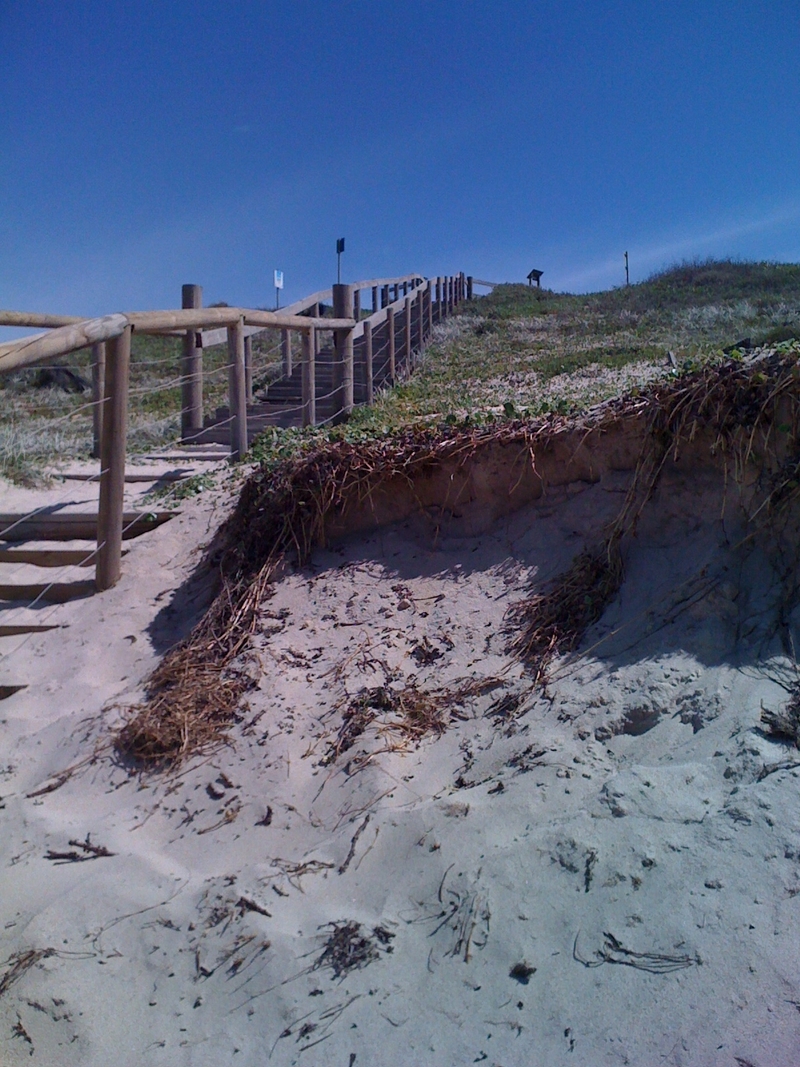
<point>339,250</point>
<point>627,275</point>
<point>535,276</point>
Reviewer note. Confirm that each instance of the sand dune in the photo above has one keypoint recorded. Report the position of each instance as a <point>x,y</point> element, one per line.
<point>408,853</point>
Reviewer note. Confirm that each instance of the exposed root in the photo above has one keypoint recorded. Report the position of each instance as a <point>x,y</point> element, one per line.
<point>784,725</point>
<point>740,406</point>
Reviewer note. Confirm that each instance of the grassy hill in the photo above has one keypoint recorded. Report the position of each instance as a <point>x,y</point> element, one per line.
<point>516,351</point>
<point>538,350</point>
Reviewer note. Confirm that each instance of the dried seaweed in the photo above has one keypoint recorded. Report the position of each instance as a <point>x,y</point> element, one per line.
<point>19,963</point>
<point>348,949</point>
<point>80,852</point>
<point>554,622</point>
<point>403,716</point>
<point>747,413</point>
<point>784,725</point>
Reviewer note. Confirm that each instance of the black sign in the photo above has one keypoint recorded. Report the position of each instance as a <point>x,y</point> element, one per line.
<point>340,246</point>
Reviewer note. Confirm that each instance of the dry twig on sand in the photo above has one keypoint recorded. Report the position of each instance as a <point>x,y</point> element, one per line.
<point>348,949</point>
<point>784,725</point>
<point>613,951</point>
<point>17,964</point>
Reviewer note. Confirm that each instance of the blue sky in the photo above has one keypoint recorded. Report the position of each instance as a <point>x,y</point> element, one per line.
<point>147,144</point>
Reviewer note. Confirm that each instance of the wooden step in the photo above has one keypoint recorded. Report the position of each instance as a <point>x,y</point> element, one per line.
<point>75,526</point>
<point>15,631</point>
<point>47,593</point>
<point>7,691</point>
<point>165,476</point>
<point>52,557</point>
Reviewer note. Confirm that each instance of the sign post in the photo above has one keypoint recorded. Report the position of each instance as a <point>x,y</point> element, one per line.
<point>339,250</point>
<point>278,275</point>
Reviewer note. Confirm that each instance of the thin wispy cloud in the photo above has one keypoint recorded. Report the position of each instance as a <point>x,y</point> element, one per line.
<point>646,258</point>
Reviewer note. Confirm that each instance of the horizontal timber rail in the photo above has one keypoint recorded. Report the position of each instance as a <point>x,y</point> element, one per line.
<point>354,339</point>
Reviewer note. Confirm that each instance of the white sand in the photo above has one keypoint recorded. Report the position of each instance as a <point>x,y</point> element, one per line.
<point>637,799</point>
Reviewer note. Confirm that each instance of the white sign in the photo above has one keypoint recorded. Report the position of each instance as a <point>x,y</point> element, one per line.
<point>278,279</point>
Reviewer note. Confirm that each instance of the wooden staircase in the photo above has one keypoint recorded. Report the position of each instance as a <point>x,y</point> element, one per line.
<point>58,542</point>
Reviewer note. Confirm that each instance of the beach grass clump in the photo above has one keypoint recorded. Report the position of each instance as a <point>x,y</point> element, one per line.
<point>554,622</point>
<point>784,724</point>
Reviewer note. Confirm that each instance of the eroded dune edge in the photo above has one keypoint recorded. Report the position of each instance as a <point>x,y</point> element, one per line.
<point>482,752</point>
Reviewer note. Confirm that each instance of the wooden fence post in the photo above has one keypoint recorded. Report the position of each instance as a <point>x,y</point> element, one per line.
<point>390,340</point>
<point>368,360</point>
<point>286,353</point>
<point>309,348</point>
<point>384,296</point>
<point>420,317</point>
<point>469,287</point>
<point>317,333</point>
<point>374,299</point>
<point>357,304</point>
<point>451,284</point>
<point>248,369</point>
<point>192,368</point>
<point>438,299</point>
<point>407,336</point>
<point>237,403</point>
<point>343,352</point>
<point>112,462</point>
<point>429,325</point>
<point>396,293</point>
<point>98,394</point>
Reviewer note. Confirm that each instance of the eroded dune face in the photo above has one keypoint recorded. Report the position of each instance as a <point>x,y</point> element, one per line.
<point>411,853</point>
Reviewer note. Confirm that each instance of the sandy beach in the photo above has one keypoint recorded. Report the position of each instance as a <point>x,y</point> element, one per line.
<point>604,872</point>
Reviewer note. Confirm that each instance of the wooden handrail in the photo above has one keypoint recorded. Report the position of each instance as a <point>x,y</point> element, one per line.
<point>33,318</point>
<point>379,316</point>
<point>65,334</point>
<point>65,339</point>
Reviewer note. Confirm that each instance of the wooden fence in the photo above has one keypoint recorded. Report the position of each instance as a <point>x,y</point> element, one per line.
<point>370,349</point>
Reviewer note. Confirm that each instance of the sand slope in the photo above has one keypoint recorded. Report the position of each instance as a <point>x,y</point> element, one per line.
<point>606,873</point>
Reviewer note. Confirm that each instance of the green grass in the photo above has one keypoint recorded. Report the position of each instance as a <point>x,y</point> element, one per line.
<point>42,427</point>
<point>522,350</point>
<point>519,350</point>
